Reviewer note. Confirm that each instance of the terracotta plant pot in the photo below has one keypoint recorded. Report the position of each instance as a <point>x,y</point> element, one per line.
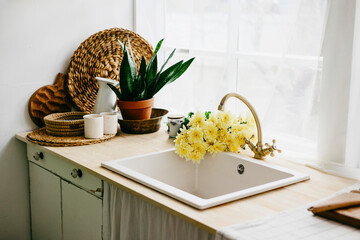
<point>136,110</point>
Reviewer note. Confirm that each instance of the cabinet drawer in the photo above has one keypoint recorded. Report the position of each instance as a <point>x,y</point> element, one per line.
<point>76,175</point>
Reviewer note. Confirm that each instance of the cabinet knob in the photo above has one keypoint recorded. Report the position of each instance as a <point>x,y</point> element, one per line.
<point>38,155</point>
<point>76,173</point>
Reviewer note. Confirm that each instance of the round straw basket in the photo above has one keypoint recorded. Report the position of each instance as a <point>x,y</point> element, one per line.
<point>41,137</point>
<point>100,56</point>
<point>65,124</point>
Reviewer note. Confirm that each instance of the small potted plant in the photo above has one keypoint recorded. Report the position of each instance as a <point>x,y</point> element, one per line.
<point>135,98</point>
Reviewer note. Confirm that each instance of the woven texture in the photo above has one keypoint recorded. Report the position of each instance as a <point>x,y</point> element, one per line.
<point>41,137</point>
<point>100,56</point>
<point>144,126</point>
<point>65,124</point>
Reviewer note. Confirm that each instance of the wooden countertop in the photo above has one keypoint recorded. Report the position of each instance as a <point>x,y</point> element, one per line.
<point>89,157</point>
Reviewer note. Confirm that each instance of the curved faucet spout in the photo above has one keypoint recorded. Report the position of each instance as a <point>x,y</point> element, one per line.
<point>258,150</point>
<point>248,104</point>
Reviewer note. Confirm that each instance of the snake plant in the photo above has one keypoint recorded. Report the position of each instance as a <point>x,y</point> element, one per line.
<point>148,81</point>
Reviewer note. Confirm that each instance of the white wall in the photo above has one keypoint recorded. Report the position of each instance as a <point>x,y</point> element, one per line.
<point>37,39</point>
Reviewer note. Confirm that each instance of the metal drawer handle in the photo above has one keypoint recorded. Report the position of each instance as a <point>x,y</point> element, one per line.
<point>38,155</point>
<point>76,173</point>
<point>99,190</point>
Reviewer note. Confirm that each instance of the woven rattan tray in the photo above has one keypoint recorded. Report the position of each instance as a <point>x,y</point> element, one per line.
<point>41,137</point>
<point>65,124</point>
<point>100,56</point>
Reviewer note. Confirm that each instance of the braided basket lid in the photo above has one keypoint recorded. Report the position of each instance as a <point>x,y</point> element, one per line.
<point>100,55</point>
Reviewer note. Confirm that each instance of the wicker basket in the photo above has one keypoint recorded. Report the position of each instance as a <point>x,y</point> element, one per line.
<point>100,56</point>
<point>41,137</point>
<point>65,124</point>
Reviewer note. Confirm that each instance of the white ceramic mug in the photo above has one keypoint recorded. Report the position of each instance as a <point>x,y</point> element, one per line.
<point>93,126</point>
<point>110,122</point>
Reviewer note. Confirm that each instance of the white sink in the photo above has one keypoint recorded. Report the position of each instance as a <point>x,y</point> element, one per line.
<point>214,181</point>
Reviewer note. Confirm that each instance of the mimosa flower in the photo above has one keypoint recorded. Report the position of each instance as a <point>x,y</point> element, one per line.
<point>195,134</point>
<point>240,139</point>
<point>225,119</point>
<point>195,156</point>
<point>212,118</point>
<point>183,148</point>
<point>231,143</point>
<point>234,147</point>
<point>215,147</point>
<point>179,138</point>
<point>210,132</point>
<point>200,147</point>
<point>220,132</point>
<point>197,120</point>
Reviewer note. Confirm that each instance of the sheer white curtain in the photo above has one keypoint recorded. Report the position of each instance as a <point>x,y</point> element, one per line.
<point>339,145</point>
<point>271,52</point>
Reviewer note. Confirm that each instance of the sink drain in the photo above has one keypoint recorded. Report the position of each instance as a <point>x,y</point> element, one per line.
<point>241,169</point>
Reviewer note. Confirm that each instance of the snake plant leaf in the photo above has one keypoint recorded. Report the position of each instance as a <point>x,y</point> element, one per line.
<point>131,52</point>
<point>149,80</point>
<point>166,76</point>
<point>142,69</point>
<point>151,71</point>
<point>158,46</point>
<point>141,76</point>
<point>127,71</point>
<point>182,69</point>
<point>132,64</point>
<point>167,60</point>
<point>125,75</point>
<point>150,65</point>
<point>141,95</point>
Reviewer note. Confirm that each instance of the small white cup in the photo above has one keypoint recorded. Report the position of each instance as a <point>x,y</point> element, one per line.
<point>110,122</point>
<point>93,126</point>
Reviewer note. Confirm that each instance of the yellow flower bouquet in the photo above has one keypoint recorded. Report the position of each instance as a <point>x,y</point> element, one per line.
<point>212,133</point>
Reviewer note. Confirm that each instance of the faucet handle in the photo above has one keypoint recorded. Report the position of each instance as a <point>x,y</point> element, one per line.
<point>248,140</point>
<point>274,148</point>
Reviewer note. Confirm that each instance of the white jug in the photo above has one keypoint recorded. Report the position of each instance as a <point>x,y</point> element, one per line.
<point>106,98</point>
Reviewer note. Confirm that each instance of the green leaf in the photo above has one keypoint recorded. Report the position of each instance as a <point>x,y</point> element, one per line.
<point>207,114</point>
<point>132,64</point>
<point>148,81</point>
<point>151,76</point>
<point>166,76</point>
<point>150,63</point>
<point>158,46</point>
<point>167,60</point>
<point>142,69</point>
<point>126,76</point>
<point>153,60</point>
<point>140,88</point>
<point>131,52</point>
<point>183,68</point>
<point>142,95</point>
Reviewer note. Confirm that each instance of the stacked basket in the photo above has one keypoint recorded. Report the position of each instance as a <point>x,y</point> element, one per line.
<point>65,124</point>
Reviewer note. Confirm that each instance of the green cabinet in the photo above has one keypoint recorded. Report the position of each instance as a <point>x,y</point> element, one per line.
<point>66,201</point>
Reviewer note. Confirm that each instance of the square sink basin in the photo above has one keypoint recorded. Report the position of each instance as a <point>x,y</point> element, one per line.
<point>216,180</point>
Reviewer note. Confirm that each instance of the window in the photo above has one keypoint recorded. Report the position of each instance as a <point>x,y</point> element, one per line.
<point>266,50</point>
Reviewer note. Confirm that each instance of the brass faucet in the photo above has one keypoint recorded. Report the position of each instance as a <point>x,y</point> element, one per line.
<point>257,148</point>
